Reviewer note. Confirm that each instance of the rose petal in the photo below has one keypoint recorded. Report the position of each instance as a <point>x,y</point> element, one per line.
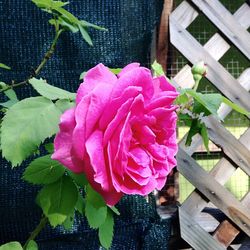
<point>95,152</point>
<point>109,113</point>
<point>129,186</point>
<point>163,99</point>
<point>99,75</point>
<point>87,114</point>
<point>63,141</point>
<point>128,68</point>
<point>161,84</point>
<point>111,196</point>
<point>143,134</point>
<point>121,114</point>
<point>140,77</point>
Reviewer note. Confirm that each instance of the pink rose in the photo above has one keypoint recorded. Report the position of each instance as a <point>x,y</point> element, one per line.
<point>122,132</point>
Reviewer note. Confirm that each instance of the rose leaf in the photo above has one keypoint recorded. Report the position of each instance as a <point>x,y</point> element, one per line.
<point>25,125</point>
<point>106,231</point>
<point>58,200</point>
<point>43,170</point>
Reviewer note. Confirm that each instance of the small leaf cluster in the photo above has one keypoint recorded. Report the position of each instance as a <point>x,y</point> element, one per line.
<point>65,20</point>
<point>10,95</point>
<point>4,66</point>
<point>62,196</point>
<point>27,123</point>
<point>194,106</point>
<point>14,245</point>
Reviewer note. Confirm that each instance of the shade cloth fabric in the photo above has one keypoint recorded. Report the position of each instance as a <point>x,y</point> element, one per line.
<point>25,37</point>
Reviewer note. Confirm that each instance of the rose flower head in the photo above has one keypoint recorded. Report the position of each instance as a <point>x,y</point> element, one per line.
<point>122,132</point>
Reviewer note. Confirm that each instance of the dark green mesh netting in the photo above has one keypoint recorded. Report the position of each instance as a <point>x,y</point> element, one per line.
<point>25,36</point>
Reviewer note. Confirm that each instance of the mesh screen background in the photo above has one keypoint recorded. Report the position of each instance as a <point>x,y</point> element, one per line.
<point>235,63</point>
<point>25,36</point>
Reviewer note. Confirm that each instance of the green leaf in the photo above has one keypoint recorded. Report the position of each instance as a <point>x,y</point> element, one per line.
<point>96,209</point>
<point>204,135</point>
<point>49,91</point>
<point>94,198</point>
<point>91,25</point>
<point>64,104</point>
<point>184,119</point>
<point>25,125</point>
<point>211,102</point>
<point>43,170</point>
<point>49,147</point>
<point>157,69</point>
<point>49,4</point>
<point>82,75</point>
<point>68,25</point>
<point>58,199</point>
<point>4,66</point>
<point>106,231</point>
<point>85,35</point>
<point>32,245</point>
<point>182,99</point>
<point>80,204</point>
<point>194,129</point>
<point>198,128</point>
<point>95,216</point>
<point>66,14</point>
<point>235,106</point>
<point>8,104</point>
<point>79,179</point>
<point>68,223</point>
<point>115,71</point>
<point>115,210</point>
<point>14,245</point>
<point>10,93</point>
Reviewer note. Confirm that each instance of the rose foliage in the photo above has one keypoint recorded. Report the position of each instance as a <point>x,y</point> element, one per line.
<point>121,133</point>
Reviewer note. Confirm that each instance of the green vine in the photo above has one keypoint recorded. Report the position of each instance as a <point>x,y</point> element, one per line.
<point>37,230</point>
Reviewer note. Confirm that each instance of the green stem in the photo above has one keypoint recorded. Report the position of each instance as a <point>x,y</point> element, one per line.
<point>196,85</point>
<point>46,57</point>
<point>49,53</point>
<point>37,230</point>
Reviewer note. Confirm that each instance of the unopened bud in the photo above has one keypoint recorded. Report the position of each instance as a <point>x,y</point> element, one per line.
<point>198,70</point>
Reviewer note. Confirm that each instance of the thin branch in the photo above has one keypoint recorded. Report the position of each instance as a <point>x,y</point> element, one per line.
<point>46,57</point>
<point>37,230</point>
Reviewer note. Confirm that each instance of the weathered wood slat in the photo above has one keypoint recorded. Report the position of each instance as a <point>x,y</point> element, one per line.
<point>184,78</point>
<point>218,195</point>
<point>162,41</point>
<point>222,171</point>
<point>223,111</point>
<point>229,25</point>
<point>206,221</point>
<point>216,46</point>
<point>226,233</point>
<point>185,14</point>
<point>233,148</point>
<point>194,52</point>
<point>244,81</point>
<point>195,235</point>
<point>242,15</point>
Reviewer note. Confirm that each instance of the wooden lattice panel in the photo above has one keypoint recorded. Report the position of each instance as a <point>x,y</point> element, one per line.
<point>209,186</point>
